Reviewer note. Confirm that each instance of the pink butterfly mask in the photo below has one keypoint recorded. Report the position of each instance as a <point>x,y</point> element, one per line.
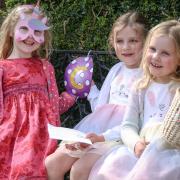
<point>31,25</point>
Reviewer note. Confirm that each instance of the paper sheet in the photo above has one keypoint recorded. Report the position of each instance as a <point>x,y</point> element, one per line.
<point>67,134</point>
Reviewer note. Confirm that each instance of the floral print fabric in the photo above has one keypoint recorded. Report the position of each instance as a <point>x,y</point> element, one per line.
<point>26,109</point>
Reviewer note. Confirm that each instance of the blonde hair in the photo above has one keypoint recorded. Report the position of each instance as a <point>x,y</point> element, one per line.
<point>7,30</point>
<point>132,19</point>
<point>171,29</point>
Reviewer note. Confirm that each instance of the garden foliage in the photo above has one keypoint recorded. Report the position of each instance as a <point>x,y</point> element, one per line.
<point>85,25</point>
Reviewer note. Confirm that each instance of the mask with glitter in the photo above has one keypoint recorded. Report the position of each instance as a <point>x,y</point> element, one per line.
<point>31,25</point>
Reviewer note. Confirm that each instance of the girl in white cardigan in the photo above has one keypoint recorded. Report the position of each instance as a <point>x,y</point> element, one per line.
<point>148,104</point>
<point>108,105</point>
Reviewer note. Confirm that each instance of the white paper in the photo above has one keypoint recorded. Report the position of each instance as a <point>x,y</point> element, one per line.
<point>67,134</point>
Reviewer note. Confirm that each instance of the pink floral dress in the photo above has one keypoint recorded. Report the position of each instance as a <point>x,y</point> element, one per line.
<point>28,101</point>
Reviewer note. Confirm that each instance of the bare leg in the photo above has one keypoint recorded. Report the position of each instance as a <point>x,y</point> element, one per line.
<point>58,164</point>
<point>82,167</point>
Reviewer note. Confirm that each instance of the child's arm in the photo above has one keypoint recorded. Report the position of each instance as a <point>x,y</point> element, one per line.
<point>140,147</point>
<point>93,95</point>
<point>65,102</point>
<point>95,137</point>
<point>97,97</point>
<point>132,121</point>
<point>92,136</point>
<point>113,134</point>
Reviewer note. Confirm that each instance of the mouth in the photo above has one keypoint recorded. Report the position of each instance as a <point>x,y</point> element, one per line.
<point>28,43</point>
<point>156,65</point>
<point>127,54</point>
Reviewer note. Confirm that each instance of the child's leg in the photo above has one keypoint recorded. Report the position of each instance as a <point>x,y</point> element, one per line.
<point>81,168</point>
<point>58,164</point>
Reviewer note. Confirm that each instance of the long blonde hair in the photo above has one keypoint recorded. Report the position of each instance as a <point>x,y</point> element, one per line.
<point>132,19</point>
<point>7,30</point>
<point>171,29</point>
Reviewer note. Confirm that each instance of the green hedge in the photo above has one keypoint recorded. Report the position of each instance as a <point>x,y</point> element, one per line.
<point>85,24</point>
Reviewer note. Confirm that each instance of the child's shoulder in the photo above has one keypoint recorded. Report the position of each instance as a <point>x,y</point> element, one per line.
<point>4,62</point>
<point>46,62</point>
<point>117,66</point>
<point>47,66</point>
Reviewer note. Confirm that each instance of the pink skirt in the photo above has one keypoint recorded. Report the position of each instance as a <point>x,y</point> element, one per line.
<point>102,119</point>
<point>159,161</point>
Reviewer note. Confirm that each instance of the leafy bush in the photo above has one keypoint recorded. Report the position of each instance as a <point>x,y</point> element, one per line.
<point>85,24</point>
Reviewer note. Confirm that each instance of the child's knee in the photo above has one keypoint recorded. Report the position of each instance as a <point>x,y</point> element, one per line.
<point>49,164</point>
<point>54,167</point>
<point>59,163</point>
<point>52,163</point>
<point>80,169</point>
<point>76,171</point>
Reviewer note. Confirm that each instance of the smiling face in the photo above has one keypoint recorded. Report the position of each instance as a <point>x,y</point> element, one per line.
<point>25,39</point>
<point>128,46</point>
<point>23,30</point>
<point>162,58</point>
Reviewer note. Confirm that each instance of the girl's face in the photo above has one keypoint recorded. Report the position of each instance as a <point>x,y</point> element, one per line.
<point>25,40</point>
<point>162,58</point>
<point>128,46</point>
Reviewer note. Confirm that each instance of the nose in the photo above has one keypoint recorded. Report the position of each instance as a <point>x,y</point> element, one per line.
<point>30,36</point>
<point>155,55</point>
<point>125,45</point>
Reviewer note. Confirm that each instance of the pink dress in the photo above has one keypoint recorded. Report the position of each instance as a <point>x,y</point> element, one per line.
<point>27,103</point>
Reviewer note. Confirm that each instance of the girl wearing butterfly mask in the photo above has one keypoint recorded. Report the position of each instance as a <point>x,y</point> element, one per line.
<point>29,98</point>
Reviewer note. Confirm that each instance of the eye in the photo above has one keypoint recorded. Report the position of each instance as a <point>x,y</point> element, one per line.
<point>38,33</point>
<point>165,53</point>
<point>23,29</point>
<point>119,41</point>
<point>152,49</point>
<point>133,40</point>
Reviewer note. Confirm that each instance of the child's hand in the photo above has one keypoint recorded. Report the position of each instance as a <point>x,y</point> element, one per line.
<point>139,147</point>
<point>76,146</point>
<point>92,83</point>
<point>71,147</point>
<point>95,138</point>
<point>81,146</point>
